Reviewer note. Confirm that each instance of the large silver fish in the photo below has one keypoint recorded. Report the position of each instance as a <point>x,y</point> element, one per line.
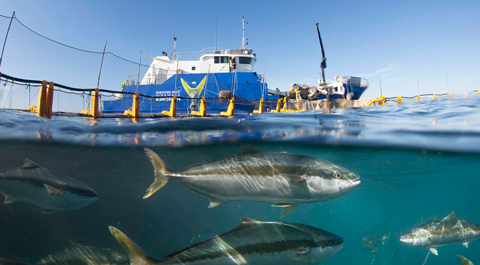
<point>45,188</point>
<point>252,242</point>
<point>254,175</point>
<point>77,254</point>
<point>449,230</point>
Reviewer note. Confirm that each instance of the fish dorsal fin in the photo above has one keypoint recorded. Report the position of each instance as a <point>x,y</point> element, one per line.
<point>30,164</point>
<point>451,216</point>
<point>246,220</point>
<point>74,244</point>
<point>248,149</point>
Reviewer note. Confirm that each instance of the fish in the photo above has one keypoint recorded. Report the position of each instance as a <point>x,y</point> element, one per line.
<point>251,242</point>
<point>47,189</point>
<point>12,262</point>
<point>383,238</point>
<point>77,254</point>
<point>464,260</point>
<point>286,180</point>
<point>446,231</point>
<point>369,242</point>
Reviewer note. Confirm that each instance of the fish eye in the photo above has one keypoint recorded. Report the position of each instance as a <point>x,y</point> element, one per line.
<point>338,175</point>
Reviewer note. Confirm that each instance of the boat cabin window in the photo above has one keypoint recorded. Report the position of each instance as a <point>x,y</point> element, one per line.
<point>221,59</point>
<point>244,60</point>
<point>193,68</point>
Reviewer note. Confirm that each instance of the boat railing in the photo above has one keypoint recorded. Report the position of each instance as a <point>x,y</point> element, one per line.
<point>185,56</point>
<point>151,79</point>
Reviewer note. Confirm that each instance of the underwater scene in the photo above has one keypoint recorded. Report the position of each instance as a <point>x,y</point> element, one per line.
<point>395,184</point>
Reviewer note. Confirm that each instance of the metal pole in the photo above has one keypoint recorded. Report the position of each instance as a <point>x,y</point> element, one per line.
<point>138,74</point>
<point>101,64</point>
<point>379,80</point>
<point>243,38</point>
<point>216,16</point>
<point>5,42</point>
<point>418,87</point>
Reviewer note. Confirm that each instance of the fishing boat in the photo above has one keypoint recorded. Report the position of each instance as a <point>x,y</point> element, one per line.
<point>342,87</point>
<point>213,73</point>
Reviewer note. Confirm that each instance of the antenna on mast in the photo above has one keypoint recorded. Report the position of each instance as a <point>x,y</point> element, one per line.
<point>243,39</point>
<point>216,16</point>
<point>175,47</point>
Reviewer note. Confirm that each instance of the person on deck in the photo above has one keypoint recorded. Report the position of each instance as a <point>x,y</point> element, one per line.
<point>230,64</point>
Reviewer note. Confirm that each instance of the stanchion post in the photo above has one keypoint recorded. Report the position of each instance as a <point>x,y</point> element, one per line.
<point>94,106</point>
<point>49,100</point>
<point>136,105</point>
<point>42,99</point>
<point>173,108</point>
<point>279,106</point>
<point>230,110</point>
<point>260,107</point>
<point>202,112</point>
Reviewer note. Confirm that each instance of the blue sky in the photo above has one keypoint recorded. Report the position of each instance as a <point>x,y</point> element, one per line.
<point>397,41</point>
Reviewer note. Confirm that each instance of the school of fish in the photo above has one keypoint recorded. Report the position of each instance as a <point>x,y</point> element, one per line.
<point>282,179</point>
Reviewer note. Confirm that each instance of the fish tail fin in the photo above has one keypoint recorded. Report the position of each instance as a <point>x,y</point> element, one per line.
<point>161,173</point>
<point>134,252</point>
<point>373,257</point>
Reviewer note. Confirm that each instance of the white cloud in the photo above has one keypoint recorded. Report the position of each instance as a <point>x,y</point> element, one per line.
<point>383,71</point>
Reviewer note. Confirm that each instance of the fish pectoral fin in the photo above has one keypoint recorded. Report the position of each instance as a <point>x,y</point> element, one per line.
<point>52,191</point>
<point>298,180</point>
<point>29,164</point>
<point>134,252</point>
<point>8,199</point>
<point>231,252</point>
<point>48,211</point>
<point>215,202</point>
<point>434,251</point>
<point>465,244</point>
<point>287,208</point>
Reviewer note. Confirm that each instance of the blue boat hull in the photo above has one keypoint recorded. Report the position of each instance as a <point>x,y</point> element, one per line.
<point>246,87</point>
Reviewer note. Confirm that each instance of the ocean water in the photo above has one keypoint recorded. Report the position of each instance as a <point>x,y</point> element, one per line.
<point>417,163</point>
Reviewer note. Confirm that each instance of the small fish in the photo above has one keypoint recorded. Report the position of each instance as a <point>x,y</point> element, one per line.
<point>45,188</point>
<point>252,242</point>
<point>449,230</point>
<point>464,260</point>
<point>77,254</point>
<point>369,242</point>
<point>383,238</point>
<point>254,175</point>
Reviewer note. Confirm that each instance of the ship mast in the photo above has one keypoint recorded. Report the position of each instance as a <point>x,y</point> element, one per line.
<point>243,39</point>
